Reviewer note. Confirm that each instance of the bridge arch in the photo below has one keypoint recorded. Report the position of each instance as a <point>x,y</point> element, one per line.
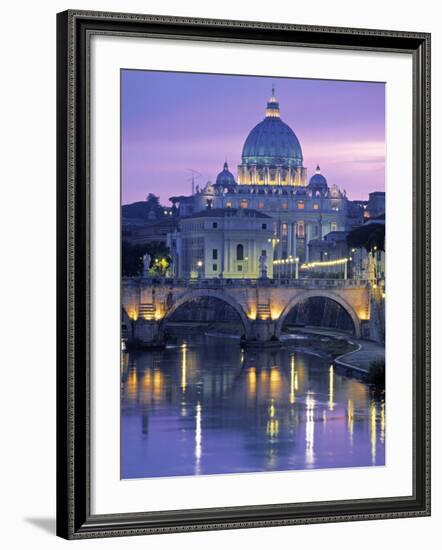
<point>318,294</point>
<point>207,293</point>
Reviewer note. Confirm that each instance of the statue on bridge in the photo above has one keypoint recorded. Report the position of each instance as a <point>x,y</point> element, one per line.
<point>146,264</point>
<point>263,267</point>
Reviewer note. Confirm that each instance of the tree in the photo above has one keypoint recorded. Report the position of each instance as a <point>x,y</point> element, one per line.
<point>132,258</point>
<point>367,236</point>
<point>153,200</point>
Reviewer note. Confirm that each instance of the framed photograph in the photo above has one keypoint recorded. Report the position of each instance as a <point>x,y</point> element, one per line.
<point>243,274</point>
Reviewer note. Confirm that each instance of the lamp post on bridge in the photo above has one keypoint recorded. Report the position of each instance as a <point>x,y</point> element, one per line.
<point>199,265</point>
<point>274,260</point>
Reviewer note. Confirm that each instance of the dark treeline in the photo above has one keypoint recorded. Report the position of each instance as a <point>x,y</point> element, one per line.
<point>132,258</point>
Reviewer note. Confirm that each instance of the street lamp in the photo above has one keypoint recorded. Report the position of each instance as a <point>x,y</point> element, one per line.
<point>245,265</point>
<point>274,242</point>
<point>199,265</point>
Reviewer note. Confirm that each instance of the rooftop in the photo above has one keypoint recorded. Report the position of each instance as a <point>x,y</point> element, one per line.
<point>228,212</point>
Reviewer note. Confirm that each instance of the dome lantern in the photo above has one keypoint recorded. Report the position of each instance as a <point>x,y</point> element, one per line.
<point>272,154</point>
<point>273,106</point>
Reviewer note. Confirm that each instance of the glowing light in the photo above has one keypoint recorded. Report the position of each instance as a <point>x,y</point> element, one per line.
<point>309,429</point>
<point>293,379</point>
<point>147,385</point>
<point>183,366</point>
<point>132,313</point>
<point>331,388</point>
<point>363,315</point>
<point>132,384</point>
<point>198,438</point>
<point>373,431</point>
<point>199,263</point>
<point>251,381</point>
<point>275,311</point>
<point>350,419</point>
<point>328,263</point>
<point>275,381</point>
<point>159,314</point>
<point>161,264</point>
<point>273,423</point>
<point>382,435</point>
<point>157,384</point>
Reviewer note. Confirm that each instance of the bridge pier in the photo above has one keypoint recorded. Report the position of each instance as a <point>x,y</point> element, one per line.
<point>262,333</point>
<point>147,334</point>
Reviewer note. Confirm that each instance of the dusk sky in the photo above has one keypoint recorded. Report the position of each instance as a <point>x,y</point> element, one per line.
<point>175,121</point>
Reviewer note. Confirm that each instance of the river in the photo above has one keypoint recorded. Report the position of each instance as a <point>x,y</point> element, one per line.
<point>204,406</point>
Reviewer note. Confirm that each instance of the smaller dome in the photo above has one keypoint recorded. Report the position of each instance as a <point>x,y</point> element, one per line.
<point>225,178</point>
<point>318,180</point>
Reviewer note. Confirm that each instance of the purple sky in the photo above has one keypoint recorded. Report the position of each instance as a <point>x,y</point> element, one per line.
<point>175,121</point>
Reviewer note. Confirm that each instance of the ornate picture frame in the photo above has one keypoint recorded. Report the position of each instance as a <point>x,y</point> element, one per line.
<point>74,31</point>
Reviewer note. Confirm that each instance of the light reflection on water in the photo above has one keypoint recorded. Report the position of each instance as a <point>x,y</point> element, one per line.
<point>204,406</point>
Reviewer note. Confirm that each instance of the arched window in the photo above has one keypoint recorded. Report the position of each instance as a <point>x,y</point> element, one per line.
<point>240,252</point>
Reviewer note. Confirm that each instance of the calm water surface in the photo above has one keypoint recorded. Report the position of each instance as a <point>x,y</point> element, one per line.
<point>204,406</point>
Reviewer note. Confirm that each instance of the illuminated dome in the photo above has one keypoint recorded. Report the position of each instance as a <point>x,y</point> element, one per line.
<point>225,178</point>
<point>272,142</point>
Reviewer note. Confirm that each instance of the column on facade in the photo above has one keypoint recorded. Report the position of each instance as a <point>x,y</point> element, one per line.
<point>294,229</point>
<point>279,245</point>
<point>226,256</point>
<point>306,239</point>
<point>289,239</point>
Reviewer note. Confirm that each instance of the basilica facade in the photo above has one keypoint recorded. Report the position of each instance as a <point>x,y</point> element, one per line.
<point>270,210</point>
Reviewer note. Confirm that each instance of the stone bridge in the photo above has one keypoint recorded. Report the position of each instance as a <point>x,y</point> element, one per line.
<point>261,304</point>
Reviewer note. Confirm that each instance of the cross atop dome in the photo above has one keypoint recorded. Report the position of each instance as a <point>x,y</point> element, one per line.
<point>272,110</point>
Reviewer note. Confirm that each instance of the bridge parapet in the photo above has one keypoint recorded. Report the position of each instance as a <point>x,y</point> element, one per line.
<point>238,283</point>
<point>256,301</point>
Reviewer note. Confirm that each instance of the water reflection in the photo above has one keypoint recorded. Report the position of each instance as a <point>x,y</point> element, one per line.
<point>204,406</point>
<point>309,430</point>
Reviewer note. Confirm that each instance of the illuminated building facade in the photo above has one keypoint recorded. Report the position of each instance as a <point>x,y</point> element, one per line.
<point>271,181</point>
<point>222,242</point>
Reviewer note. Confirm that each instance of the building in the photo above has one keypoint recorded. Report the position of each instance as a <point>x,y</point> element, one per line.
<point>152,232</point>
<point>376,204</point>
<point>222,242</point>
<point>271,201</point>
